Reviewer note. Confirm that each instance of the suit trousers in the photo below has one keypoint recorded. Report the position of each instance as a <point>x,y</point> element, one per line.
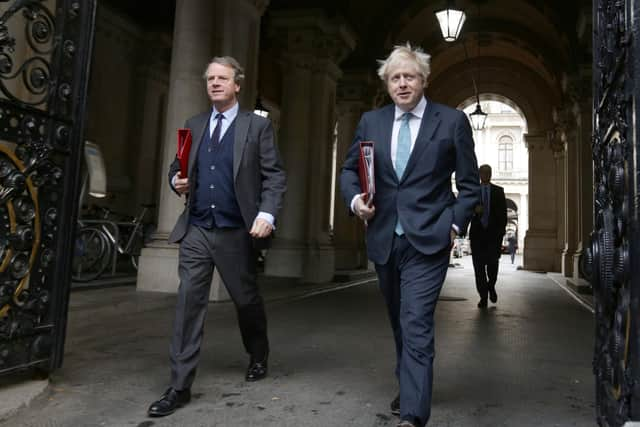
<point>410,283</point>
<point>230,251</point>
<point>485,267</point>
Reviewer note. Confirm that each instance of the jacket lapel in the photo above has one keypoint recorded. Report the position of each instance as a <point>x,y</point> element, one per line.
<point>428,126</point>
<point>386,131</point>
<point>243,119</point>
<point>197,135</point>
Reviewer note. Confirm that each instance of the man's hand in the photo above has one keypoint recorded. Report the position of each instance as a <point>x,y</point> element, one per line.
<point>181,184</point>
<point>362,210</point>
<point>261,228</point>
<point>453,237</point>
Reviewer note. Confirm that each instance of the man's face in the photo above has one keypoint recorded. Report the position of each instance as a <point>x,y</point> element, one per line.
<point>221,86</point>
<point>405,86</point>
<point>485,176</point>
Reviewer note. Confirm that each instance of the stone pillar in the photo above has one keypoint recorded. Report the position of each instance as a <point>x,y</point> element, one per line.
<point>541,238</point>
<point>238,34</point>
<point>583,112</point>
<point>585,183</point>
<point>152,84</point>
<point>312,47</point>
<point>355,96</point>
<point>202,30</point>
<point>562,202</point>
<point>565,145</point>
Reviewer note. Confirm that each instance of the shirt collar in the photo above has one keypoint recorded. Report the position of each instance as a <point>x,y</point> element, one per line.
<point>230,114</point>
<point>418,110</point>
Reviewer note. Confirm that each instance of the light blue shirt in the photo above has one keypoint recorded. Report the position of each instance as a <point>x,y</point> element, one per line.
<point>227,118</point>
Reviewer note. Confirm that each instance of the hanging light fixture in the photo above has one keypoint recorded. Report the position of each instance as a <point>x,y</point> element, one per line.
<point>451,21</point>
<point>260,109</point>
<point>478,117</point>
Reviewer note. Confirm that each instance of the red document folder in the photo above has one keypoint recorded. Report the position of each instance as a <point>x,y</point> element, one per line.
<point>366,171</point>
<point>184,148</point>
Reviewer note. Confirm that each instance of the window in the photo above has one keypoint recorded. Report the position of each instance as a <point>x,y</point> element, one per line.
<point>505,154</point>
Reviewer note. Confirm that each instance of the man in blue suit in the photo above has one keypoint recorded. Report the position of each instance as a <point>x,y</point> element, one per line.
<point>415,215</point>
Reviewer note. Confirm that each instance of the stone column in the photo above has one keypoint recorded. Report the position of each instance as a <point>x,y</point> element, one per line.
<point>355,96</point>
<point>312,47</point>
<point>565,145</point>
<point>202,30</point>
<point>563,246</point>
<point>152,84</point>
<point>541,238</point>
<point>585,184</point>
<point>237,34</point>
<point>583,111</point>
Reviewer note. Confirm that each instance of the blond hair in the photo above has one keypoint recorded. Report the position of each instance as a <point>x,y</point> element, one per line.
<point>403,54</point>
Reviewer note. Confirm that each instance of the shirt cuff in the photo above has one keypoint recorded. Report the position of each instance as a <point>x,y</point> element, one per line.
<point>173,182</point>
<point>353,203</point>
<point>267,217</point>
<point>455,228</point>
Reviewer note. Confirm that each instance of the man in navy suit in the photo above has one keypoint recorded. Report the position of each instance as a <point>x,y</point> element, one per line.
<point>415,215</point>
<point>486,234</point>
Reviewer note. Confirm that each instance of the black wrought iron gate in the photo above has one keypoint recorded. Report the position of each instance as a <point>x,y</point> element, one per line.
<point>614,254</point>
<point>45,48</point>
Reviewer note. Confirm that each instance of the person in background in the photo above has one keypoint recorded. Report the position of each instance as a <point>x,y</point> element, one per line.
<point>486,233</point>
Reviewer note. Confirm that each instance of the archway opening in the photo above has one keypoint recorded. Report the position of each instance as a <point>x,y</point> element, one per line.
<point>501,145</point>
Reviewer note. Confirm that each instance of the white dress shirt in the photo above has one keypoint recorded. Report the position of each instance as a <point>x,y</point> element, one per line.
<point>414,125</point>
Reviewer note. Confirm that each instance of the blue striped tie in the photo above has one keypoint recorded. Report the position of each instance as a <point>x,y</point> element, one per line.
<point>403,150</point>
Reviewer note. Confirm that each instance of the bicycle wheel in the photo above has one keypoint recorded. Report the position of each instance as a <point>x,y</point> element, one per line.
<point>91,254</point>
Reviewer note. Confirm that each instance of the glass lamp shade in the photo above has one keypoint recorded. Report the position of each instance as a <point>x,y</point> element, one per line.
<point>478,118</point>
<point>451,22</point>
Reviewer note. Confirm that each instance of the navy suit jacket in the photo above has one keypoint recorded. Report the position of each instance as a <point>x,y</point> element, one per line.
<point>423,197</point>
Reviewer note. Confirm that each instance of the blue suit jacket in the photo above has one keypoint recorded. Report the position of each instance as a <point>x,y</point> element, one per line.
<point>423,197</point>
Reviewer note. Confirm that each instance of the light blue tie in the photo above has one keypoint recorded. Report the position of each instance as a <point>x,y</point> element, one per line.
<point>403,150</point>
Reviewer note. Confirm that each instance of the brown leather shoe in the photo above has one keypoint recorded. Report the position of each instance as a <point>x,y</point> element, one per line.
<point>171,400</point>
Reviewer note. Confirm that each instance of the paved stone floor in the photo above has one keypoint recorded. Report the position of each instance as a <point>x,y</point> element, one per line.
<point>523,362</point>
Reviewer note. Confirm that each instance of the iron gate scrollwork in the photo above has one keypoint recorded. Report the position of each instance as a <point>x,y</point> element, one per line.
<point>612,259</point>
<point>45,47</point>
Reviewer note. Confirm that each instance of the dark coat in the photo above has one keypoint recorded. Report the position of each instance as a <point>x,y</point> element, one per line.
<point>259,178</point>
<point>423,196</point>
<point>490,238</point>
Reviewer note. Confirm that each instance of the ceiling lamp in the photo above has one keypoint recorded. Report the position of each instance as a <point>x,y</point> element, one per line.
<point>451,21</point>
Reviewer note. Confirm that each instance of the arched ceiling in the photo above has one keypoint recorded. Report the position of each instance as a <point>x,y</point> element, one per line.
<point>525,42</point>
<point>520,49</point>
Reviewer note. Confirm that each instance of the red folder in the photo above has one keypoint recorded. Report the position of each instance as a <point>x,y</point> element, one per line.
<point>366,171</point>
<point>184,148</point>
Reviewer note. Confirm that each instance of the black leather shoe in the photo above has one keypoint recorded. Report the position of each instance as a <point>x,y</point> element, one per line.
<point>395,406</point>
<point>493,296</point>
<point>257,370</point>
<point>482,303</point>
<point>171,400</point>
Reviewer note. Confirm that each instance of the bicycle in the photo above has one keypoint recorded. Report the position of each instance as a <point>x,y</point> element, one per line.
<point>99,242</point>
